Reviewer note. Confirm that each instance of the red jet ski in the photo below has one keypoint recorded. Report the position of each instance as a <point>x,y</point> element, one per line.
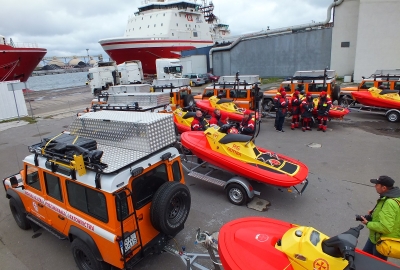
<point>258,243</point>
<point>227,107</point>
<point>375,97</point>
<point>238,154</point>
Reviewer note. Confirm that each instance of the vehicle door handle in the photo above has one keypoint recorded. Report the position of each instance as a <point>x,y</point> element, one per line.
<point>61,217</point>
<point>40,205</point>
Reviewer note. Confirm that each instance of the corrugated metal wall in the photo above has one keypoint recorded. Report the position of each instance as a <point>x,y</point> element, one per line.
<point>8,108</point>
<point>199,51</point>
<point>277,56</point>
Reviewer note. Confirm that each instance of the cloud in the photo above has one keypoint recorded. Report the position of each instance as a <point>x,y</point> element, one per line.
<point>67,28</point>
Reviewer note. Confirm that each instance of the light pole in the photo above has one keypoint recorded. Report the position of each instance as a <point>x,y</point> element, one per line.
<point>88,61</point>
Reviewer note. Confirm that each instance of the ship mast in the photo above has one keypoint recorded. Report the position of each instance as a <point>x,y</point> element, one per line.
<point>207,10</point>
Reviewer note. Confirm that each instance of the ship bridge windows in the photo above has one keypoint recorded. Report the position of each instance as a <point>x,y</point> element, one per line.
<point>194,34</point>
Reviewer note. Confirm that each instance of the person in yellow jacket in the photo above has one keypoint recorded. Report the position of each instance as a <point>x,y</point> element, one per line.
<point>384,219</point>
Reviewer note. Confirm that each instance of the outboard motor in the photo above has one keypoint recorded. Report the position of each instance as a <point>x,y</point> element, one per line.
<point>343,245</point>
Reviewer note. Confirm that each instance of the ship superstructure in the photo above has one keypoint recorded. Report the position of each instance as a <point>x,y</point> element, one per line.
<point>162,29</point>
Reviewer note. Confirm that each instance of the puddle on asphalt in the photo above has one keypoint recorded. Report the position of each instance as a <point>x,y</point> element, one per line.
<point>389,129</point>
<point>314,145</point>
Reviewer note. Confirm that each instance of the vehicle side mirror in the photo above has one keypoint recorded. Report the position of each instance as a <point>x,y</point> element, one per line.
<point>14,182</point>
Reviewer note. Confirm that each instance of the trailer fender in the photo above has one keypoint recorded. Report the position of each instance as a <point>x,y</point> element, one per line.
<point>75,232</point>
<point>244,183</point>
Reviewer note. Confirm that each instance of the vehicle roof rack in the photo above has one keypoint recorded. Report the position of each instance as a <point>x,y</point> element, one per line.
<point>385,74</point>
<point>129,107</point>
<point>144,99</point>
<point>124,137</point>
<point>314,75</point>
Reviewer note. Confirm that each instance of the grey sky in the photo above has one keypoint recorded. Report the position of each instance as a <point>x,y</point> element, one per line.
<point>70,27</point>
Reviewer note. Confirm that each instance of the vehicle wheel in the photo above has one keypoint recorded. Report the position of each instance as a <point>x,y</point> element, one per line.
<point>393,116</point>
<point>19,215</point>
<point>267,105</point>
<point>188,100</point>
<point>170,208</point>
<point>236,194</point>
<point>84,258</point>
<point>96,92</point>
<point>335,93</point>
<point>345,101</point>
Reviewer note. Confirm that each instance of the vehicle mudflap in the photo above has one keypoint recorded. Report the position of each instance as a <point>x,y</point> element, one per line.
<point>87,239</point>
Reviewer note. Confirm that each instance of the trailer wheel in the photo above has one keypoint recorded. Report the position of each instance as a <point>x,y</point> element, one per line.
<point>393,116</point>
<point>170,208</point>
<point>19,216</point>
<point>84,258</point>
<point>188,100</point>
<point>236,194</point>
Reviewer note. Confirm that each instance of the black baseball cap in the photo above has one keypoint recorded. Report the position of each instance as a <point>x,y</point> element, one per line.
<point>384,180</point>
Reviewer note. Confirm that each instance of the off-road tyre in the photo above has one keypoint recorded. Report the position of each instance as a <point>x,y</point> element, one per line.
<point>84,258</point>
<point>236,194</point>
<point>19,215</point>
<point>268,105</point>
<point>170,208</point>
<point>335,95</point>
<point>344,101</point>
<point>188,100</point>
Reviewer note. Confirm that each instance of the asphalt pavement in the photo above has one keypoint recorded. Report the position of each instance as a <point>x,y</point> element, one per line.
<point>340,161</point>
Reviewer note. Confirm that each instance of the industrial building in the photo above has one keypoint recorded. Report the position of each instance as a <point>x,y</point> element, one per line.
<point>357,38</point>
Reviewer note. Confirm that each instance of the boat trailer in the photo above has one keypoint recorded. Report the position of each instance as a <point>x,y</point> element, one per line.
<point>238,189</point>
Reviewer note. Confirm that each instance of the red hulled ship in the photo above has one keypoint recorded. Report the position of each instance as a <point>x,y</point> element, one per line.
<point>18,61</point>
<point>162,29</point>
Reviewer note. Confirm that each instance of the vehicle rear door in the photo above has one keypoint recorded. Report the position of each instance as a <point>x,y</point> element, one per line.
<point>143,189</point>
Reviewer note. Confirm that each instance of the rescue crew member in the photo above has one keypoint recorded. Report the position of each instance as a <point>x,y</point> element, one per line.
<point>281,111</point>
<point>295,110</point>
<point>385,215</point>
<point>217,118</point>
<point>247,125</point>
<point>199,123</point>
<point>307,107</point>
<point>323,107</point>
<point>275,101</point>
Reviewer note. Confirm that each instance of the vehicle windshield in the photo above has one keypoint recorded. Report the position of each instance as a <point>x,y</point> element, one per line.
<point>177,69</point>
<point>90,76</point>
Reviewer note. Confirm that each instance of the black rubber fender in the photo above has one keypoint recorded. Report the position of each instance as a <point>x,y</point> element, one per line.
<point>13,194</point>
<point>75,232</point>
